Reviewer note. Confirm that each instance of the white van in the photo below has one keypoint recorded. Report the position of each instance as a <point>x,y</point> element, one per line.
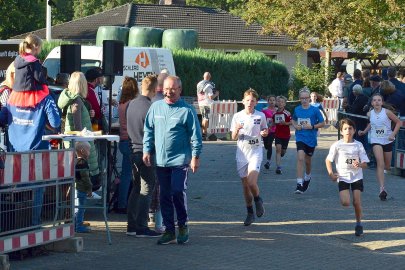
<point>138,63</point>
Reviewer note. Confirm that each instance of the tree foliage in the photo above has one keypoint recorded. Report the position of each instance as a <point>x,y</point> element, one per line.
<point>364,24</point>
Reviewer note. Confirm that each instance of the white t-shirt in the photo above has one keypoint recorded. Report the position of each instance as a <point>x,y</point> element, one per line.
<point>249,144</point>
<point>336,88</point>
<point>204,98</point>
<point>344,154</point>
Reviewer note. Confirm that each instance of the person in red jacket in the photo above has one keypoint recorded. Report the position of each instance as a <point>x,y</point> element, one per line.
<point>94,77</point>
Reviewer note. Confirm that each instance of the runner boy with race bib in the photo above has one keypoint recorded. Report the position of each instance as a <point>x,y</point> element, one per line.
<point>350,158</point>
<point>248,126</point>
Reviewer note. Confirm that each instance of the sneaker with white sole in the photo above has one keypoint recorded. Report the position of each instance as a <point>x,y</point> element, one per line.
<point>259,207</point>
<point>299,189</point>
<point>305,184</point>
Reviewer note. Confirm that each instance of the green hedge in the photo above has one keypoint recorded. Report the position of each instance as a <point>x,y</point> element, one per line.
<point>231,73</point>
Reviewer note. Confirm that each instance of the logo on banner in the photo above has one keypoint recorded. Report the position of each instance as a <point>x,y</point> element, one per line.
<point>142,59</point>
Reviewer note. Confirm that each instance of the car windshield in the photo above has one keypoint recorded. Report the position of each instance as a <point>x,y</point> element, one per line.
<point>53,66</point>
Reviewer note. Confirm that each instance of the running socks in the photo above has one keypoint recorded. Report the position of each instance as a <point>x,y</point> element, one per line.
<point>307,177</point>
<point>249,209</point>
<point>299,181</point>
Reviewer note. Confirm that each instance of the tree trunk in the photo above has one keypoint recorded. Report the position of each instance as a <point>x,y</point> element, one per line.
<point>328,54</point>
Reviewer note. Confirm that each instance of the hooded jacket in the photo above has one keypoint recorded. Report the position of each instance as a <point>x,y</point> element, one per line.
<point>28,73</point>
<point>77,117</point>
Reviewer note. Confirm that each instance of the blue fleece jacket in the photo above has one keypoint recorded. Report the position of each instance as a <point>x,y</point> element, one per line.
<point>173,130</point>
<point>27,125</point>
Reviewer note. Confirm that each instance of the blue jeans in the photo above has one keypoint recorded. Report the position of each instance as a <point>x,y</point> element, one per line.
<point>126,173</point>
<point>173,185</point>
<point>141,193</point>
<point>81,197</point>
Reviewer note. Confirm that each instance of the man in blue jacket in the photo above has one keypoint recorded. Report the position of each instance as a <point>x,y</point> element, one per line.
<point>173,131</point>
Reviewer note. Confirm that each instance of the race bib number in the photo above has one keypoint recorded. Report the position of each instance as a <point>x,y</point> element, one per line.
<point>380,132</point>
<point>347,162</point>
<point>304,121</point>
<point>269,121</point>
<point>251,143</point>
<point>279,118</point>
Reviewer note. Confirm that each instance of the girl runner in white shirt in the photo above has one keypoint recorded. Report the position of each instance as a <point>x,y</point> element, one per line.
<point>248,126</point>
<point>381,138</point>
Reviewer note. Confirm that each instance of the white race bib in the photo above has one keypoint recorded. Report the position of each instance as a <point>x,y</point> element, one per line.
<point>304,121</point>
<point>380,132</point>
<point>251,143</point>
<point>347,162</point>
<point>278,118</point>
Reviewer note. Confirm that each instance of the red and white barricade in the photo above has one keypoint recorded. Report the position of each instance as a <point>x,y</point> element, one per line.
<point>400,160</point>
<point>27,176</point>
<point>331,106</point>
<point>221,113</point>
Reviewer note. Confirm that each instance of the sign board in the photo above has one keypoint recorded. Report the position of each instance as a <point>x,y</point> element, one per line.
<point>8,52</point>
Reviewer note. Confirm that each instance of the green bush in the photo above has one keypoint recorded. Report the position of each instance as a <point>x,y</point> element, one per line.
<point>231,73</point>
<point>312,77</point>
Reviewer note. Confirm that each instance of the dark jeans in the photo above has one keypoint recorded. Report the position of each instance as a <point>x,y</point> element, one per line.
<point>173,185</point>
<point>141,193</point>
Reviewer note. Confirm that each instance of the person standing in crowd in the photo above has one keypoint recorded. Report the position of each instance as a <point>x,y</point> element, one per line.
<point>360,101</point>
<point>306,121</point>
<point>382,138</point>
<point>400,86</point>
<point>248,127</point>
<point>357,75</point>
<point>375,82</point>
<point>129,92</point>
<point>155,214</point>
<point>206,93</point>
<point>172,131</point>
<point>393,97</point>
<point>94,77</point>
<point>336,87</point>
<point>29,109</point>
<point>159,90</point>
<point>83,184</point>
<point>282,121</point>
<point>268,140</point>
<point>350,158</point>
<point>7,85</point>
<point>144,174</point>
<point>72,102</point>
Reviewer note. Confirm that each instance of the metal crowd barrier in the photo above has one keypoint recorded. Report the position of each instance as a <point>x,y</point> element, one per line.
<point>221,113</point>
<point>36,206</point>
<point>331,107</point>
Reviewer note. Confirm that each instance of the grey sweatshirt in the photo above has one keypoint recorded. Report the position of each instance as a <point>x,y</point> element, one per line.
<point>136,114</point>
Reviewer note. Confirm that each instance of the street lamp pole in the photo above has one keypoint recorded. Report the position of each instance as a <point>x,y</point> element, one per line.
<point>48,21</point>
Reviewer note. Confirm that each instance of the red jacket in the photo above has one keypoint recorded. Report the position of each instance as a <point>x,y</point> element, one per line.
<point>92,99</point>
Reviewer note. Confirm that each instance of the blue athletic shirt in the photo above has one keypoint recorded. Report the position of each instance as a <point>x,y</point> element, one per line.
<point>312,114</point>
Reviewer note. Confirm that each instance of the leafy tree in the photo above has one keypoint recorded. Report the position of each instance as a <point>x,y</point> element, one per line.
<point>363,24</point>
<point>233,6</point>
<point>18,16</point>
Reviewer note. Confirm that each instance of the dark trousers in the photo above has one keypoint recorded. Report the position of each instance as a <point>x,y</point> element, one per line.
<point>173,185</point>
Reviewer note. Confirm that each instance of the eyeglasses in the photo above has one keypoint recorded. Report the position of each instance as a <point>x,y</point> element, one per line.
<point>171,89</point>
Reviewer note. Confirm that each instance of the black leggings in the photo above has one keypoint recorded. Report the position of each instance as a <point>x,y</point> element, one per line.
<point>268,144</point>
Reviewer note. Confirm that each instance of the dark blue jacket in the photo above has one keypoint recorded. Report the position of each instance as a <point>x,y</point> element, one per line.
<point>27,125</point>
<point>397,99</point>
<point>351,97</point>
<point>28,74</point>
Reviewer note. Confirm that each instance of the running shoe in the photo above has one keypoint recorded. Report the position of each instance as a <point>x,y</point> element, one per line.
<point>267,165</point>
<point>383,195</point>
<point>250,218</point>
<point>167,238</point>
<point>182,237</point>
<point>305,185</point>
<point>299,189</point>
<point>279,171</point>
<point>358,230</point>
<point>259,207</point>
<point>147,233</point>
